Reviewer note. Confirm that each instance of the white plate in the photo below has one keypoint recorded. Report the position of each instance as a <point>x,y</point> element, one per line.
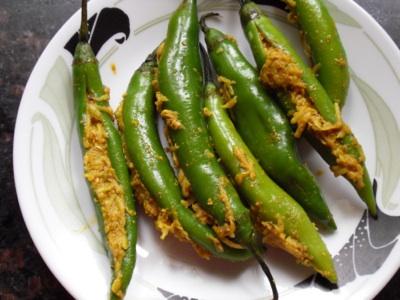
<point>59,214</point>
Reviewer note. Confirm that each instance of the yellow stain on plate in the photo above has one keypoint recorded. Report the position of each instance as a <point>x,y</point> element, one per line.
<point>114,68</point>
<point>90,222</point>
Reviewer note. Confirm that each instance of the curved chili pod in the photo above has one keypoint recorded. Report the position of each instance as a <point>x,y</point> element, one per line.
<point>154,181</point>
<point>323,46</point>
<point>263,125</point>
<point>105,166</point>
<point>281,221</point>
<point>306,102</point>
<point>180,85</point>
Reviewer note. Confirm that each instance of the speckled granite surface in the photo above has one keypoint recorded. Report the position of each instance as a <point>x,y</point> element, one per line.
<point>26,26</point>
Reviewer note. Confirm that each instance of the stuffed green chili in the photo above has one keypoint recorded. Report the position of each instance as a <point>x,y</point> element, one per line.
<point>105,167</point>
<point>306,102</point>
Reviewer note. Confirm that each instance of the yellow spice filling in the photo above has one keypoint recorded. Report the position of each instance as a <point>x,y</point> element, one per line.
<point>244,163</point>
<point>108,193</point>
<point>227,92</point>
<point>226,232</point>
<point>273,233</point>
<point>160,99</point>
<point>164,220</point>
<point>281,72</point>
<point>171,119</point>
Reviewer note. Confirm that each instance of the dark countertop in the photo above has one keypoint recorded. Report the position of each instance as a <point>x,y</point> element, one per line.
<point>26,27</point>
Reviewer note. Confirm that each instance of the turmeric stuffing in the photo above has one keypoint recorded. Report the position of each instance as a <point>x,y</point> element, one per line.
<point>100,173</point>
<point>281,72</point>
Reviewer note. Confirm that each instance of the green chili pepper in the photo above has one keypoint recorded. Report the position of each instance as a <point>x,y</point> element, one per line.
<point>323,46</point>
<point>105,166</point>
<point>180,86</point>
<point>263,125</point>
<point>279,218</point>
<point>306,101</point>
<point>155,183</point>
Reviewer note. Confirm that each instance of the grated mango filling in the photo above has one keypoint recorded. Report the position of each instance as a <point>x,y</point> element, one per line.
<point>165,220</point>
<point>171,119</point>
<point>273,234</point>
<point>207,113</point>
<point>281,72</point>
<point>108,193</point>
<point>160,99</point>
<point>229,227</point>
<point>184,183</point>
<point>201,215</point>
<point>226,231</point>
<point>244,163</point>
<point>227,92</point>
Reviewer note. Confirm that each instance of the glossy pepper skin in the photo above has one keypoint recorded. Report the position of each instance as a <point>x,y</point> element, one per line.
<point>279,218</point>
<point>324,127</point>
<point>323,46</point>
<point>92,107</point>
<point>180,85</point>
<point>264,126</point>
<point>162,197</point>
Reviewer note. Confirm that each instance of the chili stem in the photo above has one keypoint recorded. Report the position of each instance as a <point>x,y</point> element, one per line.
<point>267,272</point>
<point>83,32</point>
